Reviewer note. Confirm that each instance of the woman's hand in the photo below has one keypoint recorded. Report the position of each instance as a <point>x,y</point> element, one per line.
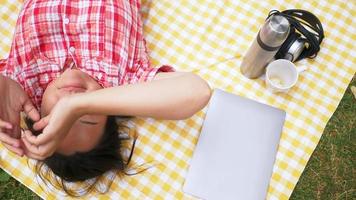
<point>55,128</point>
<point>14,100</point>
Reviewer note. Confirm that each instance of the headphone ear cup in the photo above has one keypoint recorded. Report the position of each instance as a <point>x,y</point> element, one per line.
<point>313,41</point>
<point>292,37</point>
<point>307,49</point>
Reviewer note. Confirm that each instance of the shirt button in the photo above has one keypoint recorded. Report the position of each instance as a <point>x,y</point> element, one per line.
<point>72,49</point>
<point>66,21</point>
<point>39,61</point>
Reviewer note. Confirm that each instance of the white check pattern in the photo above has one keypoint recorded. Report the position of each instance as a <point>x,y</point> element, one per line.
<point>209,38</point>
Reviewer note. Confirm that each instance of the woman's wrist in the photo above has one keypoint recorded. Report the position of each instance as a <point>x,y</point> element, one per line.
<point>78,105</point>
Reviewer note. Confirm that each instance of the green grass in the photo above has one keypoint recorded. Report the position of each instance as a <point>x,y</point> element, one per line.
<point>12,189</point>
<point>329,175</point>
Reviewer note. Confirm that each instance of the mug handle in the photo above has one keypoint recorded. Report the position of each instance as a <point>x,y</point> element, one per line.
<point>263,77</point>
<point>302,69</point>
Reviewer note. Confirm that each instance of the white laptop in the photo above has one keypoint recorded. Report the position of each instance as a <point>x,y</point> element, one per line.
<point>236,149</point>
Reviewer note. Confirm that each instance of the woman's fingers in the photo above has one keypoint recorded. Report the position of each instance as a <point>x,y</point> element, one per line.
<point>5,138</point>
<point>41,124</point>
<point>29,137</point>
<point>28,153</point>
<point>5,125</point>
<point>18,151</point>
<point>9,142</point>
<point>38,140</point>
<point>30,148</point>
<point>33,156</point>
<point>8,128</point>
<point>41,151</point>
<point>31,111</point>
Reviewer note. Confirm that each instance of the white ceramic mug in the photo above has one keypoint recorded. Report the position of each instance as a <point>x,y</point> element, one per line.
<point>282,74</point>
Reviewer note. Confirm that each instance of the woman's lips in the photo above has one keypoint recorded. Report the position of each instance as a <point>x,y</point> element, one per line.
<point>70,88</point>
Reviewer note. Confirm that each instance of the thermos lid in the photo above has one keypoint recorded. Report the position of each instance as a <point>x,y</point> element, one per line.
<point>279,24</point>
<point>275,31</point>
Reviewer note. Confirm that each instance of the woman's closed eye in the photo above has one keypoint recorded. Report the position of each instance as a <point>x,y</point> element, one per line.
<point>88,122</point>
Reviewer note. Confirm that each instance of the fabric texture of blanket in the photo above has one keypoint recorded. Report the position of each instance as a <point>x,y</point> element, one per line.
<point>210,38</point>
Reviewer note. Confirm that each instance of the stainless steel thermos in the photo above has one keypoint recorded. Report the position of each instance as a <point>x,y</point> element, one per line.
<point>269,39</point>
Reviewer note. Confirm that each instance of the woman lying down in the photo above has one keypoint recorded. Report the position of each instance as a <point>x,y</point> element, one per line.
<point>73,67</point>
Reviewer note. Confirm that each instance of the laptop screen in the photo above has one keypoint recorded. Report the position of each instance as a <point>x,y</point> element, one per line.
<point>236,149</point>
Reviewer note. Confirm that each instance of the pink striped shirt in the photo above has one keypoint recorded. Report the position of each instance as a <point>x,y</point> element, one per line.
<point>102,38</point>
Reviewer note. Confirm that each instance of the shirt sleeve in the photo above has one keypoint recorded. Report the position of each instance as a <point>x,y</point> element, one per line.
<point>3,69</point>
<point>149,73</point>
<point>145,73</point>
<point>141,71</point>
<point>2,66</point>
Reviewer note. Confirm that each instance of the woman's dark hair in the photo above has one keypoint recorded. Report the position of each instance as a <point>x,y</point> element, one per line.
<point>82,166</point>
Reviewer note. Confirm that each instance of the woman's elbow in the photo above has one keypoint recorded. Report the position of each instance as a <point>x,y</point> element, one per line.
<point>204,93</point>
<point>200,94</point>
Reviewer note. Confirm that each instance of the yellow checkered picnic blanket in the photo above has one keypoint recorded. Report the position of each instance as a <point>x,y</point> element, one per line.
<point>209,37</point>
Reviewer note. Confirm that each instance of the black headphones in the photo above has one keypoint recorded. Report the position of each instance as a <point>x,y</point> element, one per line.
<point>301,43</point>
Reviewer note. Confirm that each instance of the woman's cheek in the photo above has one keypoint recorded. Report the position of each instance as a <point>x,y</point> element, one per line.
<point>49,99</point>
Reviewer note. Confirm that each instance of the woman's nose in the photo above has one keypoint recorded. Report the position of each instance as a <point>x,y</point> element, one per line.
<point>70,91</point>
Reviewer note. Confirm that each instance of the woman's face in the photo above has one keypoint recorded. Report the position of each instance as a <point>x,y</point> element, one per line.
<point>88,129</point>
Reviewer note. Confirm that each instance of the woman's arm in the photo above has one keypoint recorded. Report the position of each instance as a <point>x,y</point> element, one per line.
<point>171,95</point>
